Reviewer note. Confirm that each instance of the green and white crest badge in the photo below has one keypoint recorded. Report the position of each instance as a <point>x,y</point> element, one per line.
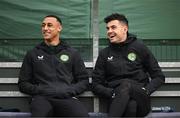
<point>132,56</point>
<point>64,57</point>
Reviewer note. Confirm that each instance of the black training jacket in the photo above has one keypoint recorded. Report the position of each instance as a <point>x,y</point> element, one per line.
<point>128,60</point>
<point>53,71</point>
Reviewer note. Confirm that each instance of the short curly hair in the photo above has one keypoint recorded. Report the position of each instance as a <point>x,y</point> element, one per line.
<point>116,16</point>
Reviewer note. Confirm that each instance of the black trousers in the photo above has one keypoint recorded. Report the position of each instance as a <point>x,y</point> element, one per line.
<point>52,107</point>
<point>130,101</point>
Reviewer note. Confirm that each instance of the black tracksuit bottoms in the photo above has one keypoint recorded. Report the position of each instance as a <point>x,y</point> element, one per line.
<point>43,107</point>
<point>130,101</point>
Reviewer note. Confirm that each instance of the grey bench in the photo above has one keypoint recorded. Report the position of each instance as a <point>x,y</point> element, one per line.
<point>166,66</point>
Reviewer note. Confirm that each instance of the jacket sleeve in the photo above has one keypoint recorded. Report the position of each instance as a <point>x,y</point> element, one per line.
<point>80,75</point>
<point>157,77</point>
<point>98,81</point>
<point>26,77</point>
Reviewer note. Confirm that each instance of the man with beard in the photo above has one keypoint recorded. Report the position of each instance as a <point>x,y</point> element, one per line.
<point>126,72</point>
<point>54,75</point>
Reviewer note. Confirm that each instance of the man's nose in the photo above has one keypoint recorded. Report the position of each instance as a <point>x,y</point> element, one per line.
<point>45,27</point>
<point>109,30</point>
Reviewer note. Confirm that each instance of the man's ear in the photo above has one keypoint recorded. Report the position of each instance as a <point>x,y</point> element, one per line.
<point>125,29</point>
<point>60,28</point>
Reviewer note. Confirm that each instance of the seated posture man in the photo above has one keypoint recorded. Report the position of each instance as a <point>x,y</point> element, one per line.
<point>54,74</point>
<point>122,71</point>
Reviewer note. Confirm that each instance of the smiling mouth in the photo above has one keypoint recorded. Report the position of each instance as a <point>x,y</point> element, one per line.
<point>112,36</point>
<point>46,33</point>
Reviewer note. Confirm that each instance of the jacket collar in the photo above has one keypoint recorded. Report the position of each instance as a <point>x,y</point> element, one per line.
<point>52,49</point>
<point>130,38</point>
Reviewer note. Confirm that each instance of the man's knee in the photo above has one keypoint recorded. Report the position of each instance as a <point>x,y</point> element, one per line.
<point>40,107</point>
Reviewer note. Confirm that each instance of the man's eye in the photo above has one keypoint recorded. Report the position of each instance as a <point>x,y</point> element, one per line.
<point>50,25</point>
<point>43,25</point>
<point>114,27</point>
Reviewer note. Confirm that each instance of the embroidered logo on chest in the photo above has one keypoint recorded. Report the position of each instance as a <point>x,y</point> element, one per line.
<point>40,57</point>
<point>64,57</point>
<point>110,58</point>
<point>132,56</point>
